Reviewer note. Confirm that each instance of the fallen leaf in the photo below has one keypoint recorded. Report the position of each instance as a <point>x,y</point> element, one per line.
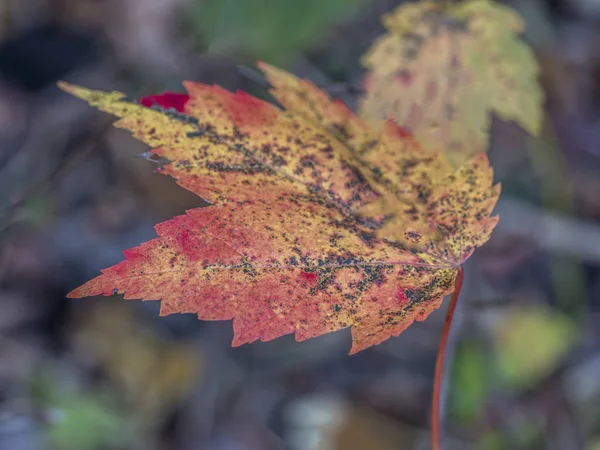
<point>441,71</point>
<point>289,243</point>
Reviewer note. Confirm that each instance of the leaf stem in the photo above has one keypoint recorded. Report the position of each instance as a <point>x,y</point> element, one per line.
<point>439,364</point>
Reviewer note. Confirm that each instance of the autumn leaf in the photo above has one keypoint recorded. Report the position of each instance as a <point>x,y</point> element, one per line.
<point>409,178</point>
<point>300,236</point>
<point>441,71</point>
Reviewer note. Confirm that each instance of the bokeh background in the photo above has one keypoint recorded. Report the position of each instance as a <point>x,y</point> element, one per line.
<point>108,374</point>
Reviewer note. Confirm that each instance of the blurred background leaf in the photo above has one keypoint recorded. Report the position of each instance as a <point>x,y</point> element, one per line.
<point>530,341</point>
<point>469,380</point>
<point>86,423</point>
<point>273,30</point>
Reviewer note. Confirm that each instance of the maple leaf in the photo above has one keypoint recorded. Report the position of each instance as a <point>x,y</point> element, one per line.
<point>290,243</point>
<point>441,70</point>
<point>411,180</point>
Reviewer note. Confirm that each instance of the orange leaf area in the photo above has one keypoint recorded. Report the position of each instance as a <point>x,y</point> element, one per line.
<point>317,222</point>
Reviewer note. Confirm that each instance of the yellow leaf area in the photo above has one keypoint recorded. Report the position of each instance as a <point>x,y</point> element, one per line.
<point>316,223</point>
<point>441,71</point>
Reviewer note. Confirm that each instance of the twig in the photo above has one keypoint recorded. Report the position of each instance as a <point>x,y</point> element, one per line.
<point>8,220</point>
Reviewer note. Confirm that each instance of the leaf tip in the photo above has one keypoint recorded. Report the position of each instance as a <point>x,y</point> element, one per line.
<point>79,292</point>
<point>391,128</point>
<point>69,88</point>
<point>266,67</point>
<point>74,294</point>
<point>63,85</point>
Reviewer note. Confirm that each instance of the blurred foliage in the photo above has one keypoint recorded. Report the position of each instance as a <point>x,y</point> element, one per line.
<point>37,209</point>
<point>595,445</point>
<point>470,380</point>
<point>273,30</point>
<point>79,420</point>
<point>86,422</point>
<point>530,341</point>
<point>155,372</point>
<point>491,441</point>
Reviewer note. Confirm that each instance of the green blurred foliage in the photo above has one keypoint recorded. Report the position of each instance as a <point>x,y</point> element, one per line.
<point>37,209</point>
<point>470,380</point>
<point>85,422</point>
<point>595,444</point>
<point>530,341</point>
<point>271,30</point>
<point>79,420</point>
<point>528,434</point>
<point>491,441</point>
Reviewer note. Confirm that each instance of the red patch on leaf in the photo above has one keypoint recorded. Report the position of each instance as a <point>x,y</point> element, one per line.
<point>166,100</point>
<point>403,132</point>
<point>308,276</point>
<point>187,244</point>
<point>402,299</point>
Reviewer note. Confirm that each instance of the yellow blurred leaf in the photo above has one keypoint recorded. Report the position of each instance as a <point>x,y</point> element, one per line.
<point>440,72</point>
<point>363,428</point>
<point>153,371</point>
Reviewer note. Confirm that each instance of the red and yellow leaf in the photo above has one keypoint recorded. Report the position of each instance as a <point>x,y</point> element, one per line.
<point>316,223</point>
